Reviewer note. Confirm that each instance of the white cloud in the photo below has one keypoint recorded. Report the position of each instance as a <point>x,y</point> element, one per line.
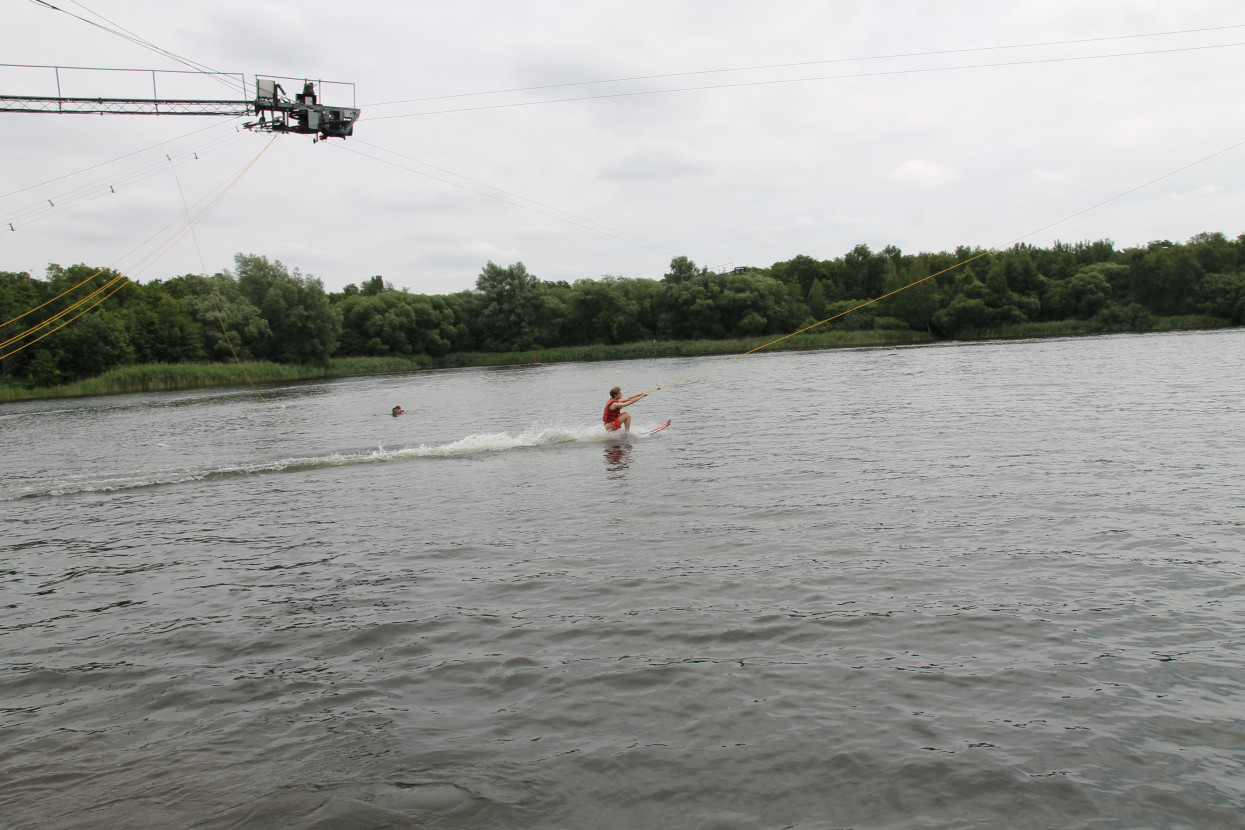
<point>927,157</point>
<point>923,173</point>
<point>655,163</point>
<point>1047,178</point>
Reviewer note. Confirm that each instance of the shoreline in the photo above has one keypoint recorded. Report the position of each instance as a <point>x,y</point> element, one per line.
<point>176,376</point>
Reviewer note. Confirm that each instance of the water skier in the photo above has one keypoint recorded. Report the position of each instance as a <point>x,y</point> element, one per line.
<point>613,416</point>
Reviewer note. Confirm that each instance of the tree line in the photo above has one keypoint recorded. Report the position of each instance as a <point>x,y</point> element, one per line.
<point>262,310</point>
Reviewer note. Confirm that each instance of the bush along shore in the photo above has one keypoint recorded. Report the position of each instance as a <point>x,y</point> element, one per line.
<point>60,338</point>
<point>172,376</point>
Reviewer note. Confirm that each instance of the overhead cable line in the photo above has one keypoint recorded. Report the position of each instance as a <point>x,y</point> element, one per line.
<point>962,262</point>
<point>558,214</point>
<point>84,303</point>
<point>778,81</point>
<point>92,300</point>
<point>116,284</point>
<point>762,67</point>
<point>220,318</point>
<point>212,199</point>
<point>41,305</point>
<point>127,35</point>
<point>110,184</point>
<point>104,163</point>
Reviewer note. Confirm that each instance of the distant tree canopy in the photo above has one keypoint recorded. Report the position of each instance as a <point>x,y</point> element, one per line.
<point>263,311</point>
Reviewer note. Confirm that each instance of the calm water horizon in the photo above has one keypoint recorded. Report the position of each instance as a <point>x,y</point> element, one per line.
<point>970,585</point>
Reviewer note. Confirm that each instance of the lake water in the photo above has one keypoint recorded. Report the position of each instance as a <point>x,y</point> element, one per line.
<point>955,586</point>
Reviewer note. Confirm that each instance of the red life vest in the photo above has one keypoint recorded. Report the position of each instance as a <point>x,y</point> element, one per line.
<point>611,416</point>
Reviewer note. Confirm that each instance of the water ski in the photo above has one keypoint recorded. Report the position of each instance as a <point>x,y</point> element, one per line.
<point>658,429</point>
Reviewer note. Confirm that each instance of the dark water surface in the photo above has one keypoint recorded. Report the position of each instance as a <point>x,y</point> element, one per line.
<point>960,586</point>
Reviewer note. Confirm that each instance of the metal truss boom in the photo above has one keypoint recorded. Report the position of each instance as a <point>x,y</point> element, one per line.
<point>123,106</point>
<point>273,109</point>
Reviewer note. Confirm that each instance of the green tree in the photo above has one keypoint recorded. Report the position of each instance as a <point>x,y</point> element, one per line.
<point>512,308</point>
<point>232,325</point>
<point>374,286</point>
<point>606,311</point>
<point>376,325</point>
<point>1223,295</point>
<point>1008,304</point>
<point>396,323</point>
<point>161,328</point>
<point>798,314</point>
<point>45,369</point>
<point>682,270</point>
<point>816,300</point>
<point>1079,297</point>
<point>1021,273</point>
<point>917,300</point>
<point>93,344</point>
<point>962,315</point>
<point>437,326</point>
<point>1131,317</point>
<point>303,326</point>
<point>19,294</point>
<point>1164,278</point>
<point>725,305</point>
<point>849,315</point>
<point>977,306</point>
<point>803,271</point>
<point>1214,253</point>
<point>85,332</point>
<point>750,304</point>
<point>864,273</point>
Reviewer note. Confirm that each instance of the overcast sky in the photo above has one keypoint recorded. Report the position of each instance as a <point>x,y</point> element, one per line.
<point>747,134</point>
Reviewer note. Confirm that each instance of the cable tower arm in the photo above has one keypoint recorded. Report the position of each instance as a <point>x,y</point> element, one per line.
<point>122,106</point>
<point>303,114</point>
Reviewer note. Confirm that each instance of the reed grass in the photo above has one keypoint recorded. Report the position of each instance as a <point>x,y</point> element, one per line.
<point>160,377</point>
<point>1191,322</point>
<point>165,377</point>
<point>684,348</point>
<point>1079,328</point>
